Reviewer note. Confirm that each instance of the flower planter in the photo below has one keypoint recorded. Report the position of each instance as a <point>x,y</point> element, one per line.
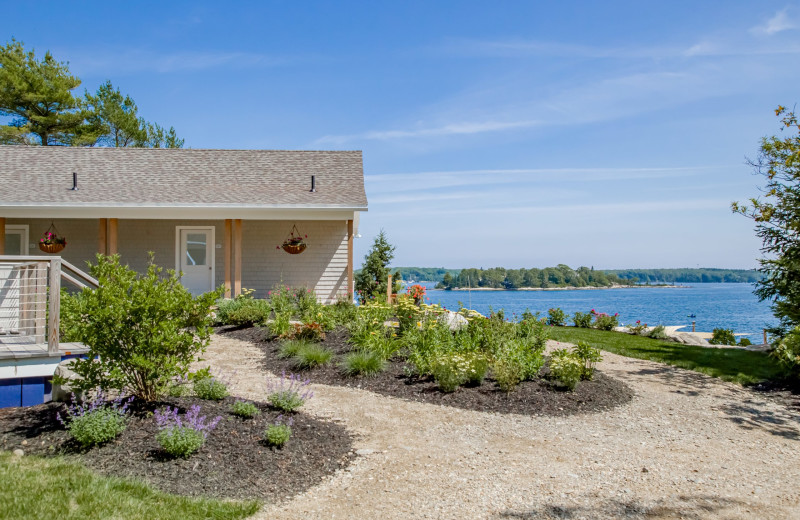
<point>294,249</point>
<point>51,248</point>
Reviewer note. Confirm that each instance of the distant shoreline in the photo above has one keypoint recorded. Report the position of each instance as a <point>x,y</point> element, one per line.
<point>569,288</point>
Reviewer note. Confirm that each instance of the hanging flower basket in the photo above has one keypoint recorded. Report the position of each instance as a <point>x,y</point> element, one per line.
<point>52,242</point>
<point>294,243</point>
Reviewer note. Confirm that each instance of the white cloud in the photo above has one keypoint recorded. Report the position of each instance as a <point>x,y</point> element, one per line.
<point>780,22</point>
<point>462,128</point>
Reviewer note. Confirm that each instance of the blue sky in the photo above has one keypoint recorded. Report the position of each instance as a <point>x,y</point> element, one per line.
<point>516,134</point>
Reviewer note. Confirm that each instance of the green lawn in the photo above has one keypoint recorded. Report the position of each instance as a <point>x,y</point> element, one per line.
<point>34,487</point>
<point>740,366</point>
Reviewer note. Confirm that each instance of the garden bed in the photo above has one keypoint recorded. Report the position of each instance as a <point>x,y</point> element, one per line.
<point>235,462</point>
<point>537,397</point>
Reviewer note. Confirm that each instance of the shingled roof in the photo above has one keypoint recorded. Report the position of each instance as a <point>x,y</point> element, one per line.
<point>42,175</point>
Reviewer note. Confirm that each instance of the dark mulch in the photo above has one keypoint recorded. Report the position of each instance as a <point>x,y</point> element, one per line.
<point>234,463</point>
<point>539,397</point>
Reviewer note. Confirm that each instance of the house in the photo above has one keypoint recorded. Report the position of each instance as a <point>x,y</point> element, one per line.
<point>217,216</point>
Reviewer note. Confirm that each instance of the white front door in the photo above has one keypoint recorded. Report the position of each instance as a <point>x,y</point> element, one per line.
<point>16,244</point>
<point>196,258</point>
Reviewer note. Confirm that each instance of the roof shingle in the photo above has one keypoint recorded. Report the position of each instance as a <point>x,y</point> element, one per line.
<point>43,175</point>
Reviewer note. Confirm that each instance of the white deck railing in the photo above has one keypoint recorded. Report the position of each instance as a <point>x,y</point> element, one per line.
<point>30,297</point>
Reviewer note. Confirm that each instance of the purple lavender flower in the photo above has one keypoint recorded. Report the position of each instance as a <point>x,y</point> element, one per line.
<point>170,418</point>
<point>288,393</point>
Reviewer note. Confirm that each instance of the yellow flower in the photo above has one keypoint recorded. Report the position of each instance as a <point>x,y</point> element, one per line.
<point>419,324</point>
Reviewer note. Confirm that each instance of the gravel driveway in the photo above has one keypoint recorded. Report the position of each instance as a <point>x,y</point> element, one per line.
<point>688,446</point>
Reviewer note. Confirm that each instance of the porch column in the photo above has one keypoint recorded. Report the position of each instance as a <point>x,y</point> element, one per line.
<point>237,254</point>
<point>226,245</point>
<point>102,236</point>
<point>112,236</point>
<point>350,259</point>
<point>3,236</point>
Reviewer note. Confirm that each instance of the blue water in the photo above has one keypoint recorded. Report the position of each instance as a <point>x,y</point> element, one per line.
<point>716,305</point>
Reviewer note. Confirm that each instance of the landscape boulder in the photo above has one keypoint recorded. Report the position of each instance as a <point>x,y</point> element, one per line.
<point>453,320</point>
<point>687,338</point>
<point>63,380</point>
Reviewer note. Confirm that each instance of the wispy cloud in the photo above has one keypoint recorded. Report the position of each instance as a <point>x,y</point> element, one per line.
<point>462,128</point>
<point>780,22</point>
<point>137,61</point>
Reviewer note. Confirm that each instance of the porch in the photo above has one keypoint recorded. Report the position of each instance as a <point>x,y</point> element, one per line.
<point>30,302</point>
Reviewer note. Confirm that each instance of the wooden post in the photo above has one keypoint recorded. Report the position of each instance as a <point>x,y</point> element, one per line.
<point>40,306</point>
<point>112,236</point>
<point>3,238</point>
<point>693,325</point>
<point>55,306</point>
<point>226,245</point>
<point>237,254</point>
<point>765,336</point>
<point>389,290</point>
<point>350,260</point>
<point>102,236</point>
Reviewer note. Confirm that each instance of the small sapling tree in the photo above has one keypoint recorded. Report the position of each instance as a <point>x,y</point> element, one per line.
<point>142,330</point>
<point>371,282</point>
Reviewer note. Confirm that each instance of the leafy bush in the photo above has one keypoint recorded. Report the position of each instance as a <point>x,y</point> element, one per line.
<point>605,321</point>
<point>638,329</point>
<point>583,320</point>
<point>142,330</point>
<point>787,351</point>
<point>507,374</point>
<point>280,326</point>
<point>97,421</point>
<point>407,312</point>
<point>363,363</point>
<point>744,342</point>
<point>566,368</point>
<point>451,371</point>
<point>658,332</point>
<point>210,388</point>
<point>311,331</point>
<point>244,409</point>
<point>282,300</point>
<point>312,355</point>
<point>339,314</point>
<point>722,337</point>
<point>182,437</point>
<point>279,433</point>
<point>178,387</point>
<point>306,303</point>
<point>588,355</point>
<point>556,317</point>
<point>289,393</point>
<point>243,311</point>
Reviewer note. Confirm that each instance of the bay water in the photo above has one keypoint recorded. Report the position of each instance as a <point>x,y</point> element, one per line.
<point>715,305</point>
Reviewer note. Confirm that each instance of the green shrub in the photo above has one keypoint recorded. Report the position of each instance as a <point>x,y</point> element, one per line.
<point>566,368</point>
<point>182,437</point>
<point>583,320</point>
<point>363,363</point>
<point>278,434</point>
<point>311,331</point>
<point>280,326</point>
<point>507,374</point>
<point>97,421</point>
<point>312,355</point>
<point>244,409</point>
<point>290,347</point>
<point>658,332</point>
<point>339,314</point>
<point>603,321</point>
<point>210,388</point>
<point>556,317</point>
<point>744,342</point>
<point>450,371</point>
<point>180,442</point>
<point>722,337</point>
<point>142,329</point>
<point>588,355</point>
<point>289,393</point>
<point>787,351</point>
<point>282,300</point>
<point>639,329</point>
<point>243,312</point>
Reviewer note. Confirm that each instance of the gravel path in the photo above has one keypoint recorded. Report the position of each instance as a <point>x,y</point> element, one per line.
<point>687,446</point>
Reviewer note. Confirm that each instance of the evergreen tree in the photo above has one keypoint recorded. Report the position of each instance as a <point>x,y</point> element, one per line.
<point>37,95</point>
<point>371,282</point>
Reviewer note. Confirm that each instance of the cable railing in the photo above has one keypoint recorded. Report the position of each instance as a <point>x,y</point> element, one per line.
<point>30,298</point>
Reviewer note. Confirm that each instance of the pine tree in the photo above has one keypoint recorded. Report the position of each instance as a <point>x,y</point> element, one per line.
<point>371,282</point>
